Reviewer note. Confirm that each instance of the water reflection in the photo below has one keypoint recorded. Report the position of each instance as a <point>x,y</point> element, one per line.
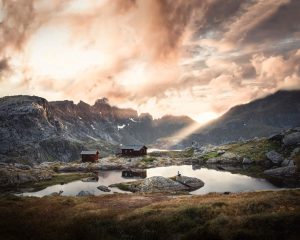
<point>215,181</point>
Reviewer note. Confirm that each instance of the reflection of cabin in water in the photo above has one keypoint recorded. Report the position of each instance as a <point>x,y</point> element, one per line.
<point>90,156</point>
<point>134,150</point>
<point>129,173</point>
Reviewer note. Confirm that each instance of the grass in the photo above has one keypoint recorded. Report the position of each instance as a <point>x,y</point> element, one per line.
<point>255,150</point>
<point>209,155</point>
<point>148,159</point>
<point>256,215</point>
<point>174,154</point>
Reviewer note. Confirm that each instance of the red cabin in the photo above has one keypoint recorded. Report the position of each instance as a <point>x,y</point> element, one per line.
<point>90,156</point>
<point>134,150</point>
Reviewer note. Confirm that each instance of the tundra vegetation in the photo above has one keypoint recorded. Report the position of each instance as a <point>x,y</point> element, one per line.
<point>255,215</point>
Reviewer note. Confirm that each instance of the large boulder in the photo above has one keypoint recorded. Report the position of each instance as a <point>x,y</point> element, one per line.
<point>291,139</point>
<point>162,184</point>
<point>274,157</point>
<point>192,183</point>
<point>288,171</point>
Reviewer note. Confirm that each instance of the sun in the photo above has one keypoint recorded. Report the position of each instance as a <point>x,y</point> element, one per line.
<point>206,117</point>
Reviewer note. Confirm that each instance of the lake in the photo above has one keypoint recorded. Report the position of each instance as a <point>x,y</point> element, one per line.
<point>215,181</point>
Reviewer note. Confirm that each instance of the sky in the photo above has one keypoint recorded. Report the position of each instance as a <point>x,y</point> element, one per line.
<point>182,57</point>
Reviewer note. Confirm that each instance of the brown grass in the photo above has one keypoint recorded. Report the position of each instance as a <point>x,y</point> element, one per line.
<point>257,215</point>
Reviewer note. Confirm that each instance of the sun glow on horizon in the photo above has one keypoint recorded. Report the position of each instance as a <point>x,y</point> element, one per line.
<point>206,117</point>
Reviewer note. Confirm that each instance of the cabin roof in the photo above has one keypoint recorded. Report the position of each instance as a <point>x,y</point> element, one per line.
<point>92,152</point>
<point>134,147</point>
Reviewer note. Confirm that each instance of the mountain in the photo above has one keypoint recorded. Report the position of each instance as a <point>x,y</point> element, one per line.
<point>259,118</point>
<point>35,130</point>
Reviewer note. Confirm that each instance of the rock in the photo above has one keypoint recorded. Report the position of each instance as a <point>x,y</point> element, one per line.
<point>10,176</point>
<point>295,152</point>
<point>193,183</point>
<point>247,161</point>
<point>162,184</point>
<point>288,171</point>
<point>226,158</point>
<point>276,137</point>
<point>220,152</point>
<point>22,166</point>
<point>84,193</point>
<point>291,139</point>
<point>56,193</point>
<point>274,157</point>
<point>91,179</point>
<point>103,188</point>
<point>287,162</point>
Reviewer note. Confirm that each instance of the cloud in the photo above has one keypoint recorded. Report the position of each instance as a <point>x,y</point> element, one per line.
<point>161,56</point>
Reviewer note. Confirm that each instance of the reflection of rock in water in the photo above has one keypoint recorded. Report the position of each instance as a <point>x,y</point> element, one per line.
<point>196,166</point>
<point>104,174</point>
<point>130,173</point>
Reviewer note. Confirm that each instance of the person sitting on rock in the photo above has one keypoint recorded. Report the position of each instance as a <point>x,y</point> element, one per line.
<point>178,174</point>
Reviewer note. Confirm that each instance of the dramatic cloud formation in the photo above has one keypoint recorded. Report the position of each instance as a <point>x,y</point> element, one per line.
<point>160,56</point>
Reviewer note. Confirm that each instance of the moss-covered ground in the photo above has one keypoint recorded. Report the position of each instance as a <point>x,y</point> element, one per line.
<point>257,215</point>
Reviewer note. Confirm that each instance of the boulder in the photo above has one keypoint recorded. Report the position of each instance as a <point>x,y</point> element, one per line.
<point>56,193</point>
<point>274,157</point>
<point>90,179</point>
<point>276,137</point>
<point>103,188</point>
<point>84,193</point>
<point>247,161</point>
<point>291,139</point>
<point>162,184</point>
<point>22,166</point>
<point>287,162</point>
<point>288,171</point>
<point>220,152</point>
<point>191,182</point>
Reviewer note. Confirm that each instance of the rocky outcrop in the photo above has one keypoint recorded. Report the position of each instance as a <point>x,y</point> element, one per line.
<point>291,139</point>
<point>226,158</point>
<point>11,176</point>
<point>288,171</point>
<point>274,157</point>
<point>162,184</point>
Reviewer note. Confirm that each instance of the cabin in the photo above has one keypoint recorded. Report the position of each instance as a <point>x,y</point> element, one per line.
<point>134,150</point>
<point>131,173</point>
<point>90,156</point>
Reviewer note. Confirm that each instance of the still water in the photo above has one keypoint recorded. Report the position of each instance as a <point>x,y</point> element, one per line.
<point>215,181</point>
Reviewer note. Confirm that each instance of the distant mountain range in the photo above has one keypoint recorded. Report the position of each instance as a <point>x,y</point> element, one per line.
<point>35,130</point>
<point>259,118</point>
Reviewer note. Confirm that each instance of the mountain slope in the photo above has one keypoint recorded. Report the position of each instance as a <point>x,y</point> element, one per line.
<point>35,130</point>
<point>258,118</point>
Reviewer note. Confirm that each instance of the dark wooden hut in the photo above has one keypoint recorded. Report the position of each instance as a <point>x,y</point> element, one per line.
<point>134,150</point>
<point>90,156</point>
